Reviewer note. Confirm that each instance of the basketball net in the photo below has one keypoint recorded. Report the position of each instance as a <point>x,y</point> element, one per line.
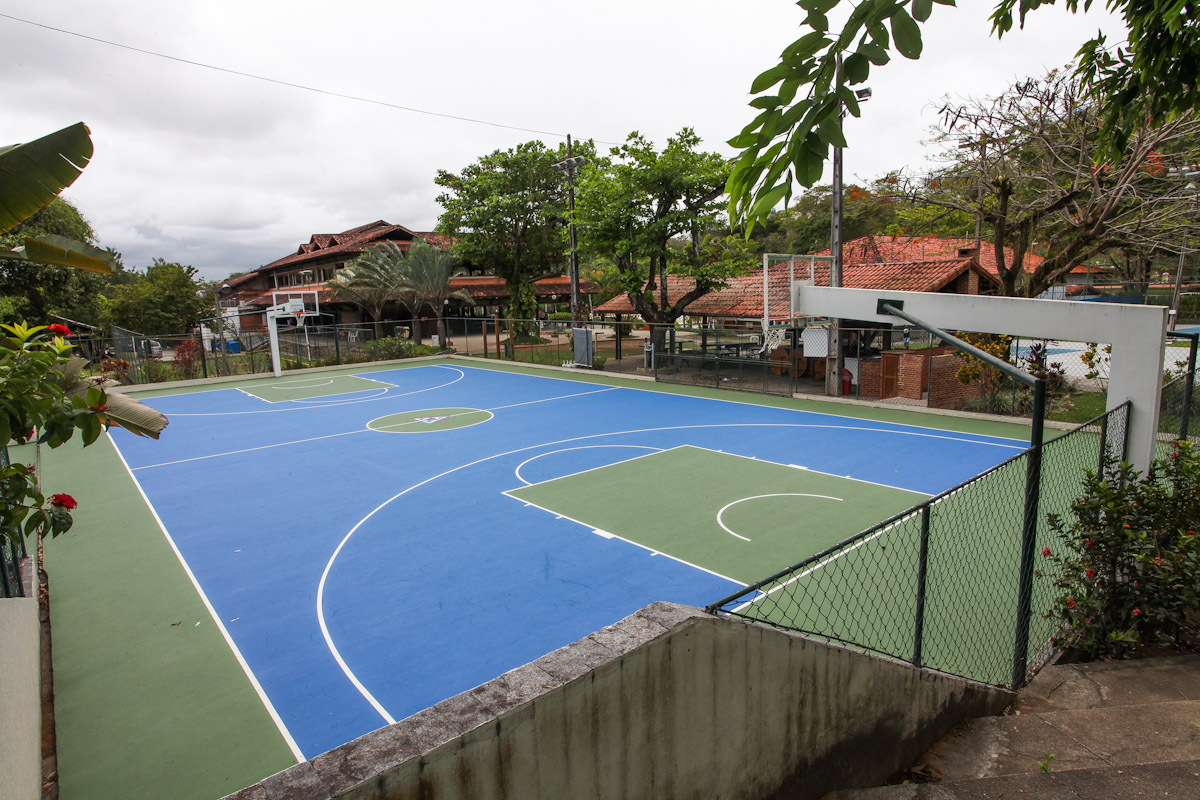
<point>772,340</point>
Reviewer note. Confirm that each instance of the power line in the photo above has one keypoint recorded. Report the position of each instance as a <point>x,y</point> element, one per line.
<point>289,84</point>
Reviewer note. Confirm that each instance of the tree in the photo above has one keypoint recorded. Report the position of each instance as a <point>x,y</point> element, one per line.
<point>1156,78</point>
<point>655,214</point>
<point>1030,164</point>
<point>34,291</point>
<point>427,273</point>
<point>508,212</point>
<point>163,301</point>
<point>374,280</point>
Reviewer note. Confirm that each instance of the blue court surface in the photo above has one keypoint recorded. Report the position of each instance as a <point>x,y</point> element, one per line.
<point>354,537</point>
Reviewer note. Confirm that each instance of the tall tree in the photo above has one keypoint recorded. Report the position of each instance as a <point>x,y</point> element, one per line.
<point>373,281</point>
<point>658,213</point>
<point>34,291</point>
<point>1030,163</point>
<point>427,274</point>
<point>1156,77</point>
<point>163,301</point>
<point>508,212</point>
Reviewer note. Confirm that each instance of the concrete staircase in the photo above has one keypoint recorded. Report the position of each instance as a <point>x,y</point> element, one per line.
<point>1115,730</point>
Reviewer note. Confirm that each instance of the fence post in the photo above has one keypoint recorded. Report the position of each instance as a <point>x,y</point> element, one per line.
<point>337,345</point>
<point>203,359</point>
<point>1187,390</point>
<point>1033,488</point>
<point>1103,445</point>
<point>922,562</point>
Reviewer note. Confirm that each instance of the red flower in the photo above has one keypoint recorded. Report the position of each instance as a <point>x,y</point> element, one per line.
<point>1070,602</point>
<point>63,501</point>
<point>1088,543</point>
<point>1137,612</point>
<point>1126,526</point>
<point>1046,552</point>
<point>101,407</point>
<point>59,330</point>
<point>1091,573</point>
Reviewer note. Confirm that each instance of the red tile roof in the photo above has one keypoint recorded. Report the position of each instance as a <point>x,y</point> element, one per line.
<point>743,298</point>
<point>489,287</point>
<point>874,249</point>
<point>348,244</point>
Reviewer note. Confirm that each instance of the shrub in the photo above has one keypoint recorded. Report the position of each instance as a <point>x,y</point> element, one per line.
<point>388,348</point>
<point>187,358</point>
<point>1129,559</point>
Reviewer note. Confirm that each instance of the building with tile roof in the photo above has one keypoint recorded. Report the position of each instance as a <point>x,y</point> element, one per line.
<point>743,297</point>
<point>304,273</point>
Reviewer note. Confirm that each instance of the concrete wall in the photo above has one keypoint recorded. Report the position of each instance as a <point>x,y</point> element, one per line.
<point>668,703</point>
<point>20,697</point>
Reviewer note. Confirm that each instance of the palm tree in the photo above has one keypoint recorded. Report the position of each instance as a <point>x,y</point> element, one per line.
<point>428,272</point>
<point>119,410</point>
<point>374,279</point>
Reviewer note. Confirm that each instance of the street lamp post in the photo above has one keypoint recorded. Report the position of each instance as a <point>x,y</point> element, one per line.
<point>569,165</point>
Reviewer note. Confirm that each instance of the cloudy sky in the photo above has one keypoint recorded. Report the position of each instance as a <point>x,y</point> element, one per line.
<point>225,172</point>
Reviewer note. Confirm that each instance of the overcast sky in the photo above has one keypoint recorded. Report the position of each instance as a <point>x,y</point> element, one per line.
<point>227,173</point>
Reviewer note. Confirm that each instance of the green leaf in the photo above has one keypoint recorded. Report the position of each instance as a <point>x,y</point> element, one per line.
<point>921,9</point>
<point>34,173</point>
<point>817,21</point>
<point>767,101</point>
<point>767,200</point>
<point>787,92</point>
<point>856,68</point>
<point>832,132</point>
<point>806,45</point>
<point>60,251</point>
<point>771,77</point>
<point>874,53</point>
<point>906,33</point>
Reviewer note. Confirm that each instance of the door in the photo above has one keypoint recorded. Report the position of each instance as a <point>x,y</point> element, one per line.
<point>889,375</point>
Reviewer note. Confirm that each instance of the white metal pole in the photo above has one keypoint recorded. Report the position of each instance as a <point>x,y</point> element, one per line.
<point>273,334</point>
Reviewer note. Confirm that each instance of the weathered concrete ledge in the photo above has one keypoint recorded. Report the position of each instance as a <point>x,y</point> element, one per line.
<point>667,703</point>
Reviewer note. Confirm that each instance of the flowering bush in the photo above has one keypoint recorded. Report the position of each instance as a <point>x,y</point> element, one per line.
<point>35,404</point>
<point>187,357</point>
<point>1129,559</point>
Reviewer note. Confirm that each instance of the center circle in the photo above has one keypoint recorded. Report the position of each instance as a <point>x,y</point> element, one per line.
<point>429,420</point>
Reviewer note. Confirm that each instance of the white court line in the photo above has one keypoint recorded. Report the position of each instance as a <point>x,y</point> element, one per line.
<point>610,535</point>
<point>560,397</point>
<point>517,471</point>
<point>819,565</point>
<point>250,449</point>
<point>290,384</point>
<point>262,695</point>
<point>385,395</point>
<point>721,513</point>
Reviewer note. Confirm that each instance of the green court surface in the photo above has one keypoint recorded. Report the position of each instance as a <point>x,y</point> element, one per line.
<point>735,516</point>
<point>311,386</point>
<point>429,420</point>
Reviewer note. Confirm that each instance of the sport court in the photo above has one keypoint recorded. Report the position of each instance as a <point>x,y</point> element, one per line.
<point>374,542</point>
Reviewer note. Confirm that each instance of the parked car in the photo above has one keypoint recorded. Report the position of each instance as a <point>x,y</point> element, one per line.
<point>152,348</point>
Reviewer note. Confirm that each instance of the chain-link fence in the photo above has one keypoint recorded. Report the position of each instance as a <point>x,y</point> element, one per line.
<point>939,585</point>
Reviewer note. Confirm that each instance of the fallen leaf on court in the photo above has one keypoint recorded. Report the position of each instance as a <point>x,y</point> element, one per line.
<point>197,625</point>
<point>173,624</point>
<point>235,619</point>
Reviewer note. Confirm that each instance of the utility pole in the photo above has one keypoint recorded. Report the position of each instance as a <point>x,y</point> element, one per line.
<point>835,359</point>
<point>569,166</point>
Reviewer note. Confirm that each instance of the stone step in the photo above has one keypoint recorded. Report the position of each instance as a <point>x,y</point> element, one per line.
<point>1172,779</point>
<point>1113,683</point>
<point>1112,736</point>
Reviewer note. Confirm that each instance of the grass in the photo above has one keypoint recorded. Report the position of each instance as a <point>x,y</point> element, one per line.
<point>1080,408</point>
